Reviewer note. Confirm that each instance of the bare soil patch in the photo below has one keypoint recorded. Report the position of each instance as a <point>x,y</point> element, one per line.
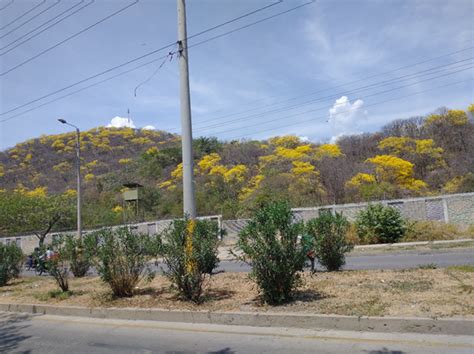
<point>419,292</point>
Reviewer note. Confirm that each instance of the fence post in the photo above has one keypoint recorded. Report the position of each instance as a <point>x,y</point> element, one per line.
<point>445,210</point>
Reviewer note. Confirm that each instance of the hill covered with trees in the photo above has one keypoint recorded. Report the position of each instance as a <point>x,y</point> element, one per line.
<point>413,157</point>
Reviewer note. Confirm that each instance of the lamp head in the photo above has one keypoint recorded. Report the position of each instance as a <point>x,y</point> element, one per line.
<point>62,120</point>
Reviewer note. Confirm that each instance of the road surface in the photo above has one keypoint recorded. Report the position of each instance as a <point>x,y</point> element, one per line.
<point>385,260</point>
<point>392,260</point>
<point>54,334</point>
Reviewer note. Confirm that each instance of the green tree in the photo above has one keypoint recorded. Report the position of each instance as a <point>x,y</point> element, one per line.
<point>40,214</point>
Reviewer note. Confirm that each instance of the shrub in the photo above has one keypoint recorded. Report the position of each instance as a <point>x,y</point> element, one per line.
<point>270,245</point>
<point>122,259</point>
<point>329,232</point>
<point>380,224</point>
<point>11,258</point>
<point>432,231</point>
<point>79,252</point>
<point>58,264</point>
<point>189,250</point>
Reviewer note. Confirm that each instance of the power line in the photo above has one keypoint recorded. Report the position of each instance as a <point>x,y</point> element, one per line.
<point>45,29</point>
<point>82,89</point>
<point>324,108</point>
<point>87,87</point>
<point>31,19</point>
<point>22,15</point>
<point>370,105</point>
<point>347,92</point>
<point>253,12</point>
<point>10,3</point>
<point>169,56</point>
<point>233,20</point>
<point>252,24</point>
<point>69,38</point>
<point>340,85</point>
<point>124,64</point>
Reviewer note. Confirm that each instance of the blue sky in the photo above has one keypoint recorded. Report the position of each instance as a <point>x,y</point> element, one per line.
<point>254,83</point>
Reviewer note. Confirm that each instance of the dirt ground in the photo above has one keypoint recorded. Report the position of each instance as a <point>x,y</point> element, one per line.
<point>419,292</point>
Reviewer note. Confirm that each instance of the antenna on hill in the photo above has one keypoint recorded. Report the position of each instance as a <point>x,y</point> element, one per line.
<point>128,116</point>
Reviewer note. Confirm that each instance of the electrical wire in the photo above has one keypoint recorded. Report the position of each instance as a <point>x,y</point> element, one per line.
<point>337,86</point>
<point>324,108</point>
<point>45,29</point>
<point>169,56</point>
<point>347,92</point>
<point>234,20</point>
<point>252,24</point>
<point>120,66</point>
<point>4,7</point>
<point>30,19</point>
<point>369,105</point>
<point>22,15</point>
<point>202,32</point>
<point>82,89</point>
<point>69,38</point>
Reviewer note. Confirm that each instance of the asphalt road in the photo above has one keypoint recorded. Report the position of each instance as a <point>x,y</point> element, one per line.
<point>396,260</point>
<point>54,334</point>
<point>392,260</point>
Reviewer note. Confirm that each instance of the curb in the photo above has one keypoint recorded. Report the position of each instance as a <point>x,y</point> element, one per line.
<point>452,326</point>
<point>418,243</point>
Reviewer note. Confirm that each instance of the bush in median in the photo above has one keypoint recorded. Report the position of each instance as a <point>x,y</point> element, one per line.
<point>58,263</point>
<point>380,224</point>
<point>11,259</point>
<point>329,232</point>
<point>270,245</point>
<point>79,252</point>
<point>122,258</point>
<point>189,250</point>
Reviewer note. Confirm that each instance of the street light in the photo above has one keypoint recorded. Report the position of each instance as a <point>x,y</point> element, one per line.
<point>78,171</point>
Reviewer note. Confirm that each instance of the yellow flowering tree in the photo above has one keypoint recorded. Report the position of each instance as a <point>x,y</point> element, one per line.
<point>328,150</point>
<point>423,153</point>
<point>391,176</point>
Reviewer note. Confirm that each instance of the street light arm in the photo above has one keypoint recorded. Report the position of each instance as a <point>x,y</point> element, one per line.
<point>63,121</point>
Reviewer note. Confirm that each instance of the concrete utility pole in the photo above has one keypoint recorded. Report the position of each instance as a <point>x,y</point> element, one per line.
<point>189,201</point>
<point>78,175</point>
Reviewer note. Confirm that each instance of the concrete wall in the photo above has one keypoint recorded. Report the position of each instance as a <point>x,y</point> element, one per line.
<point>454,208</point>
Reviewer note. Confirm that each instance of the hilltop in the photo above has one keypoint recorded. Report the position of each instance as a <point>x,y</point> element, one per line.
<point>408,157</point>
<point>49,161</point>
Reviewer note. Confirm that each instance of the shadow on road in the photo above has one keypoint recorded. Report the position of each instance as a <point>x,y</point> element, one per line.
<point>11,326</point>
<point>384,351</point>
<point>223,351</point>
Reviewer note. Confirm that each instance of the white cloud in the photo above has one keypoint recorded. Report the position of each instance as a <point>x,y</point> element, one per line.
<point>148,127</point>
<point>345,117</point>
<point>120,122</point>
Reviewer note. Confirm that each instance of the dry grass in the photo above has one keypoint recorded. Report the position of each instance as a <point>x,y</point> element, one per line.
<point>420,292</point>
